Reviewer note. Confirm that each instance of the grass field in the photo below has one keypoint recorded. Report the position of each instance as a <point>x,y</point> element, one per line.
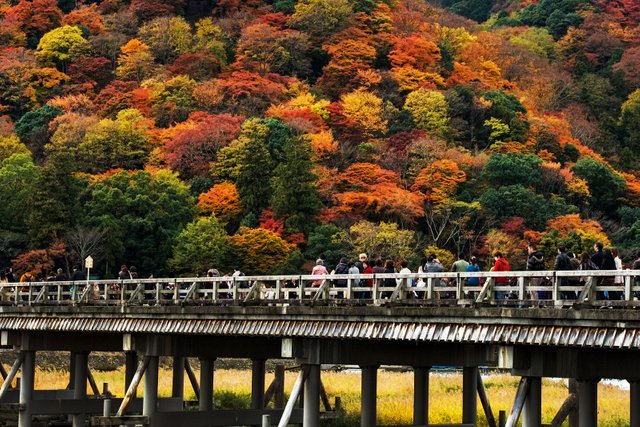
<point>395,394</point>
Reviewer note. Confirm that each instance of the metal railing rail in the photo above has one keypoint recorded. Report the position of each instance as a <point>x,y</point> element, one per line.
<point>558,288</point>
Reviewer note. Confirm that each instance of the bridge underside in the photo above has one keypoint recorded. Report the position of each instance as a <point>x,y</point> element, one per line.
<point>583,346</point>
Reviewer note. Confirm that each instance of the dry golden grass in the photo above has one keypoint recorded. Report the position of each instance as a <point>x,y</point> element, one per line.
<point>395,394</point>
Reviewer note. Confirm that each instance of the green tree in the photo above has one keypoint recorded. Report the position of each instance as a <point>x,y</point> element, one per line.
<point>511,169</point>
<point>321,18</point>
<point>325,239</point>
<point>510,201</point>
<point>136,61</point>
<point>203,244</point>
<point>54,201</point>
<point>17,174</point>
<point>629,123</point>
<point>510,111</point>
<point>172,100</point>
<point>61,45</point>
<point>605,186</point>
<point>429,110</point>
<point>168,37</point>
<point>295,197</point>
<point>33,128</point>
<point>209,38</point>
<point>140,213</point>
<point>10,145</point>
<point>384,240</point>
<point>110,144</point>
<point>248,163</point>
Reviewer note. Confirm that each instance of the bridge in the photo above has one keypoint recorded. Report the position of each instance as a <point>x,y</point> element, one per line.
<point>571,324</point>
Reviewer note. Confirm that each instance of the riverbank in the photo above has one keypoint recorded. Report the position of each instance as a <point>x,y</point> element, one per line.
<point>395,393</point>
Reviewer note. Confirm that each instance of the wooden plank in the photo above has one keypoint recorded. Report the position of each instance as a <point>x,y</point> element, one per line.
<point>518,403</point>
<point>484,400</point>
<point>564,411</point>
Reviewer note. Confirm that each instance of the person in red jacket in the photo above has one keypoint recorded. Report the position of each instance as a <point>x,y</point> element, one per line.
<point>501,264</point>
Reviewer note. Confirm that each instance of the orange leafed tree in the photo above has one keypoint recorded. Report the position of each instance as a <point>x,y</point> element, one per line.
<point>222,200</point>
<point>260,250</point>
<point>414,51</point>
<point>374,192</point>
<point>439,180</point>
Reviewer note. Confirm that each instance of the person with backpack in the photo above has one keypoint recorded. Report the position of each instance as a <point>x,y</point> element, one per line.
<point>473,267</point>
<point>341,268</point>
<point>563,263</point>
<point>535,262</point>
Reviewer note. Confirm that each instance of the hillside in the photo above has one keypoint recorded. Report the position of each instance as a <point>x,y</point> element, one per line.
<point>180,135</point>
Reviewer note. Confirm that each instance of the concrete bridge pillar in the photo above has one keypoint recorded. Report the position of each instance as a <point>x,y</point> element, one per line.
<point>206,384</point>
<point>311,410</point>
<point>469,395</point>
<point>635,402</point>
<point>421,396</point>
<point>26,388</point>
<point>81,373</point>
<point>588,403</point>
<point>150,400</point>
<point>369,383</point>
<point>177,384</point>
<point>532,409</point>
<point>257,383</point>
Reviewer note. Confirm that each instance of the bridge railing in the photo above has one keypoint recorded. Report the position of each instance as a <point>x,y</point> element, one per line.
<point>500,288</point>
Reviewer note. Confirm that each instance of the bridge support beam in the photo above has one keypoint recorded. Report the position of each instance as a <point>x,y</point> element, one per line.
<point>150,401</point>
<point>80,376</point>
<point>532,409</point>
<point>311,410</point>
<point>177,383</point>
<point>205,402</point>
<point>420,396</point>
<point>369,384</point>
<point>257,383</point>
<point>635,402</point>
<point>469,395</point>
<point>26,388</point>
<point>587,403</point>
<point>130,367</point>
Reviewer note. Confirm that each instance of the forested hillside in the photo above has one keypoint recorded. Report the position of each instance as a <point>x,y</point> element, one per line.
<point>179,135</point>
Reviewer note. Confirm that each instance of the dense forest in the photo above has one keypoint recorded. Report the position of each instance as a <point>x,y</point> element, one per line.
<point>179,135</point>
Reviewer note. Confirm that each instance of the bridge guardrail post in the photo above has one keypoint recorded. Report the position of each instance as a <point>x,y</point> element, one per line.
<point>374,289</point>
<point>430,288</point>
<point>349,289</point>
<point>302,288</point>
<point>158,293</point>
<point>521,289</point>
<point>555,291</point>
<point>59,293</point>
<point>628,295</point>
<point>459,287</point>
<point>402,295</point>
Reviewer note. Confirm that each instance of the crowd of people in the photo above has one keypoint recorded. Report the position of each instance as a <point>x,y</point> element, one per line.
<point>600,259</point>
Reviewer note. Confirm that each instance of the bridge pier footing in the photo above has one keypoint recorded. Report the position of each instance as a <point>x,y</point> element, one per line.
<point>369,386</point>
<point>26,388</point>
<point>469,395</point>
<point>635,402</point>
<point>421,396</point>
<point>81,373</point>
<point>206,384</point>
<point>311,409</point>
<point>588,403</point>
<point>532,409</point>
<point>150,399</point>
